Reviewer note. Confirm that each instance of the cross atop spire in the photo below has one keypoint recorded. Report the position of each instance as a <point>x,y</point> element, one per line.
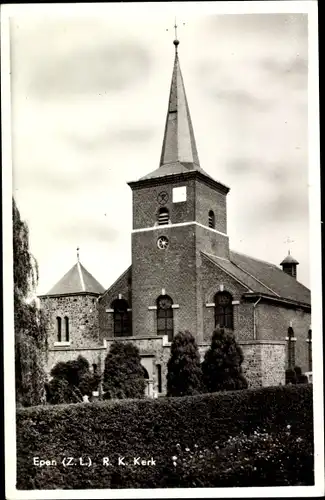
<point>179,142</point>
<point>78,254</point>
<point>176,41</point>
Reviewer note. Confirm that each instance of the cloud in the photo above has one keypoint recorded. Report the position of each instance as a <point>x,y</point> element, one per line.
<point>86,230</point>
<point>243,98</point>
<point>97,70</point>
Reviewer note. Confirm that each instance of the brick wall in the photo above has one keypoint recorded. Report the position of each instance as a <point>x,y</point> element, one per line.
<point>208,199</point>
<point>173,269</point>
<point>146,206</point>
<point>272,321</point>
<point>122,286</point>
<point>211,277</point>
<point>83,318</point>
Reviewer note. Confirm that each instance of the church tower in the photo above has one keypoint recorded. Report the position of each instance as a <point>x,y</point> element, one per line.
<point>178,212</point>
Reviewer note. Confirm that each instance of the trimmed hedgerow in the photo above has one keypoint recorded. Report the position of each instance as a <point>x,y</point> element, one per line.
<point>158,429</point>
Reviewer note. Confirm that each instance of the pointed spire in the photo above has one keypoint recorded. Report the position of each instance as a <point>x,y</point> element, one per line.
<point>179,142</point>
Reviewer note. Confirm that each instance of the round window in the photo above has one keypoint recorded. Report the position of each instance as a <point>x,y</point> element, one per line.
<point>162,242</point>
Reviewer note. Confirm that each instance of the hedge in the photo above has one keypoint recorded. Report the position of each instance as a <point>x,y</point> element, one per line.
<point>167,429</point>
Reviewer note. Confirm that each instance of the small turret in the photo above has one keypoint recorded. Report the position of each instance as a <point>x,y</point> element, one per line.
<point>289,265</point>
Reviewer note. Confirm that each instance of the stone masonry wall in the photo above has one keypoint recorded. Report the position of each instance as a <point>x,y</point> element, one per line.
<point>263,361</point>
<point>272,322</point>
<point>83,319</point>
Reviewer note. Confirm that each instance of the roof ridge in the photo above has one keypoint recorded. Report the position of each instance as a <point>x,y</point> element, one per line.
<point>81,276</point>
<point>117,279</point>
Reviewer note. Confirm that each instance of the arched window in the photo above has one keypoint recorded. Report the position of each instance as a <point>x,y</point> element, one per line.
<point>163,216</point>
<point>310,352</point>
<point>66,324</point>
<point>224,316</point>
<point>291,349</point>
<point>121,318</point>
<point>94,368</point>
<point>212,219</point>
<point>59,328</point>
<point>159,378</point>
<point>165,319</point>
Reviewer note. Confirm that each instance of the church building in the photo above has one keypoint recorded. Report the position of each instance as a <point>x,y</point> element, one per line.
<point>183,276</point>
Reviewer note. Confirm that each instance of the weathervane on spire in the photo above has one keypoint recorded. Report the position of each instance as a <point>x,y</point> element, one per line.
<point>288,240</point>
<point>176,41</point>
<point>78,254</point>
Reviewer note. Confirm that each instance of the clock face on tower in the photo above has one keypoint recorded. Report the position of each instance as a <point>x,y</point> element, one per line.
<point>162,197</point>
<point>162,242</point>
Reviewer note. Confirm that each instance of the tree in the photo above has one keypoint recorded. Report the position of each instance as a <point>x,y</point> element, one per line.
<point>123,374</point>
<point>29,321</point>
<point>71,381</point>
<point>221,368</point>
<point>184,377</point>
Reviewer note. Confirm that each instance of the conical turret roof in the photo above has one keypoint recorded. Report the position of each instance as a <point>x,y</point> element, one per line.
<point>289,260</point>
<point>77,280</point>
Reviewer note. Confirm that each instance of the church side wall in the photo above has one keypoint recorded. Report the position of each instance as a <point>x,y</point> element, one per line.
<point>211,277</point>
<point>272,322</point>
<point>83,319</point>
<point>122,286</point>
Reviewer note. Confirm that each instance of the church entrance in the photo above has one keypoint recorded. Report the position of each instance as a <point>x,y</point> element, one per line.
<point>147,366</point>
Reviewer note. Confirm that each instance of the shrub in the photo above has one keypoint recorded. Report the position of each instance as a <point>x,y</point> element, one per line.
<point>123,373</point>
<point>71,381</point>
<point>222,370</point>
<point>290,376</point>
<point>166,428</point>
<point>184,377</point>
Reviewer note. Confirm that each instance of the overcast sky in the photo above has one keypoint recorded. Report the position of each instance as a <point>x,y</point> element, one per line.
<point>89,102</point>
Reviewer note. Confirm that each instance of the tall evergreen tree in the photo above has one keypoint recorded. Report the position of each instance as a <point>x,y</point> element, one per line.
<point>123,374</point>
<point>221,368</point>
<point>184,377</point>
<point>29,322</point>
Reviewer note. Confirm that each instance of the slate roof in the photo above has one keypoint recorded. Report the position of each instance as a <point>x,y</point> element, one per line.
<point>179,152</point>
<point>289,260</point>
<point>262,277</point>
<point>77,280</point>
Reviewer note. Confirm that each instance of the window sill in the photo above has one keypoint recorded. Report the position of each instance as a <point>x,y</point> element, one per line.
<point>61,344</point>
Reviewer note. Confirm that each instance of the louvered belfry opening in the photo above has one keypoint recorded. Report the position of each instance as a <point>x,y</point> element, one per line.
<point>163,216</point>
<point>212,220</point>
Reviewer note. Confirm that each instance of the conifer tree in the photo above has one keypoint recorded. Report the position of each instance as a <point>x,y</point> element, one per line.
<point>184,377</point>
<point>221,368</point>
<point>123,374</point>
<point>29,322</point>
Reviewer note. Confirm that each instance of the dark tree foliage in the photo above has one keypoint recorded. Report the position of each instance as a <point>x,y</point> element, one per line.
<point>30,324</point>
<point>184,377</point>
<point>123,374</point>
<point>291,376</point>
<point>296,376</point>
<point>298,371</point>
<point>71,381</point>
<point>221,368</point>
